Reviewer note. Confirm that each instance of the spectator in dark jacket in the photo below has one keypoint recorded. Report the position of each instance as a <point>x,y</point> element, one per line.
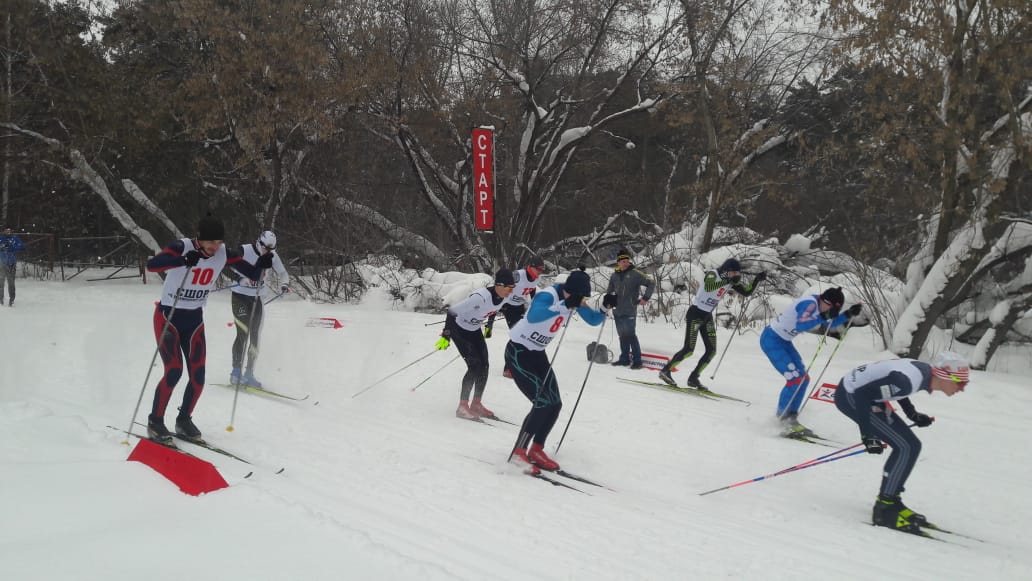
<point>626,284</point>
<point>10,246</point>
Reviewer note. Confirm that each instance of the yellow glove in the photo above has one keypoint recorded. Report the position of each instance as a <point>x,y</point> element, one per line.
<point>487,332</point>
<point>442,343</point>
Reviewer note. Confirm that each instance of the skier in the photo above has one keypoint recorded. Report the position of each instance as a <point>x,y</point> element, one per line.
<point>700,318</point>
<point>863,395</point>
<point>10,246</point>
<point>462,326</point>
<point>191,267</point>
<point>805,313</point>
<point>248,309</point>
<point>626,284</point>
<point>533,373</point>
<point>515,305</point>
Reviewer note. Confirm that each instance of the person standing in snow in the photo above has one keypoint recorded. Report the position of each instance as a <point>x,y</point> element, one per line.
<point>533,373</point>
<point>515,305</point>
<point>699,320</point>
<point>802,315</point>
<point>10,246</point>
<point>191,267</point>
<point>863,395</point>
<point>626,284</point>
<point>248,310</point>
<point>462,326</point>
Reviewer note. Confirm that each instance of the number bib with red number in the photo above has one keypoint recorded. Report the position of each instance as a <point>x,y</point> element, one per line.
<point>200,280</point>
<point>537,336</point>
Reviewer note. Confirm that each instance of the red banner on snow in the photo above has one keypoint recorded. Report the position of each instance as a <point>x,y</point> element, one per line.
<point>483,178</point>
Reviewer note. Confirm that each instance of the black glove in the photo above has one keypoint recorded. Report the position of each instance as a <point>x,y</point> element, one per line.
<point>609,301</point>
<point>921,420</point>
<point>573,301</point>
<point>191,258</point>
<point>853,310</point>
<point>284,289</point>
<point>873,445</point>
<point>264,261</point>
<point>759,278</point>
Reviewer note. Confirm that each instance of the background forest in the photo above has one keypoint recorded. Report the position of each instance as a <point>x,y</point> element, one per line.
<point>895,132</point>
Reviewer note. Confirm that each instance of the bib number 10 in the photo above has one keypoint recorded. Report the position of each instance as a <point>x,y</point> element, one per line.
<point>202,276</point>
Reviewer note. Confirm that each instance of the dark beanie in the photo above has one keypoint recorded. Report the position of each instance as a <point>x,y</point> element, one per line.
<point>210,228</point>
<point>536,262</point>
<point>578,284</point>
<point>730,265</point>
<point>623,253</point>
<point>834,296</point>
<point>504,277</point>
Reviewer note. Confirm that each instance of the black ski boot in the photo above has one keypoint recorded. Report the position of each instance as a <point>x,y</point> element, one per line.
<point>186,428</point>
<point>693,381</point>
<point>157,431</point>
<point>888,513</point>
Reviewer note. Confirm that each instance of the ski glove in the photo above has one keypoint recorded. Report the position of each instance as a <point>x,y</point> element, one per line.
<point>487,331</point>
<point>921,420</point>
<point>854,310</point>
<point>610,300</point>
<point>191,258</point>
<point>284,289</point>
<point>573,301</point>
<point>873,445</point>
<point>264,261</point>
<point>442,343</point>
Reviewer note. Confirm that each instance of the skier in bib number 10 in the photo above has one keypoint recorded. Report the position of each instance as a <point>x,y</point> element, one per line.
<point>191,267</point>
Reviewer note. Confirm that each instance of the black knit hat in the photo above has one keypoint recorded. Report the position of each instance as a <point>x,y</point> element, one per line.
<point>730,265</point>
<point>578,283</point>
<point>504,277</point>
<point>834,296</point>
<point>536,262</point>
<point>210,228</point>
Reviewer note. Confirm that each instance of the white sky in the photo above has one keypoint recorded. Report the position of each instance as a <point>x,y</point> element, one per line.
<point>390,485</point>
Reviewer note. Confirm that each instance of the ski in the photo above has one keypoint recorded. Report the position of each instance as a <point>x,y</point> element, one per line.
<point>724,396</point>
<point>263,391</point>
<point>498,419</point>
<point>555,482</point>
<point>172,446</point>
<point>580,478</point>
<point>659,385</point>
<point>939,529</point>
<point>475,420</point>
<point>209,446</point>
<point>816,440</point>
<point>920,533</point>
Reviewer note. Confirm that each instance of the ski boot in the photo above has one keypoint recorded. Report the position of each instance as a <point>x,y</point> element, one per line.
<point>234,376</point>
<point>478,409</point>
<point>249,380</point>
<point>186,428</point>
<point>519,458</point>
<point>664,374</point>
<point>793,429</point>
<point>463,411</point>
<point>157,431</point>
<point>539,458</point>
<point>693,381</point>
<point>887,512</point>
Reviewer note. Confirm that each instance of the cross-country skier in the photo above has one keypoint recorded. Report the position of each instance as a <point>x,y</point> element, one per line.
<point>863,395</point>
<point>462,326</point>
<point>191,267</point>
<point>807,312</point>
<point>525,355</point>
<point>515,305</point>
<point>248,309</point>
<point>699,319</point>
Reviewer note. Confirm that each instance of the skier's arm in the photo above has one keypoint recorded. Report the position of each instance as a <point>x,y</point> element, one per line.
<point>235,261</point>
<point>281,271</point>
<point>541,308</point>
<point>170,257</point>
<point>807,316</point>
<point>712,282</point>
<point>593,317</point>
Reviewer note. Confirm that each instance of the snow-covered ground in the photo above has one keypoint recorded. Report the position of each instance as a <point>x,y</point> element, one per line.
<point>389,485</point>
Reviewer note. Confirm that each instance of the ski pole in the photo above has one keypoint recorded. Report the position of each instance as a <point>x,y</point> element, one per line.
<point>234,285</point>
<point>435,323</point>
<point>817,381</point>
<point>381,380</point>
<point>250,352</point>
<point>734,333</point>
<point>591,364</point>
<point>439,369</point>
<point>806,372</point>
<point>795,468</point>
<point>277,296</point>
<point>161,339</point>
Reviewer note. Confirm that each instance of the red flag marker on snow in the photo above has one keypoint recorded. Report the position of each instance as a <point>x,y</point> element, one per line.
<point>324,322</point>
<point>191,474</point>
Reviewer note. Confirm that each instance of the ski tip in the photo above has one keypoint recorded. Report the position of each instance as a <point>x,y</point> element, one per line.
<point>248,475</point>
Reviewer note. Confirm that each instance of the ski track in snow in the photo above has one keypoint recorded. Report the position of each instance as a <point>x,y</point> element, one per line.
<point>389,485</point>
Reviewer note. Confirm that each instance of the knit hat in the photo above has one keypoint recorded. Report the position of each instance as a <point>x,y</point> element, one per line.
<point>623,253</point>
<point>504,277</point>
<point>834,297</point>
<point>730,265</point>
<point>210,228</point>
<point>578,283</point>
<point>536,262</point>
<point>951,366</point>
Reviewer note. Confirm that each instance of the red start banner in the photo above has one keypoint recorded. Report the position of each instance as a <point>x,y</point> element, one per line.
<point>483,178</point>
